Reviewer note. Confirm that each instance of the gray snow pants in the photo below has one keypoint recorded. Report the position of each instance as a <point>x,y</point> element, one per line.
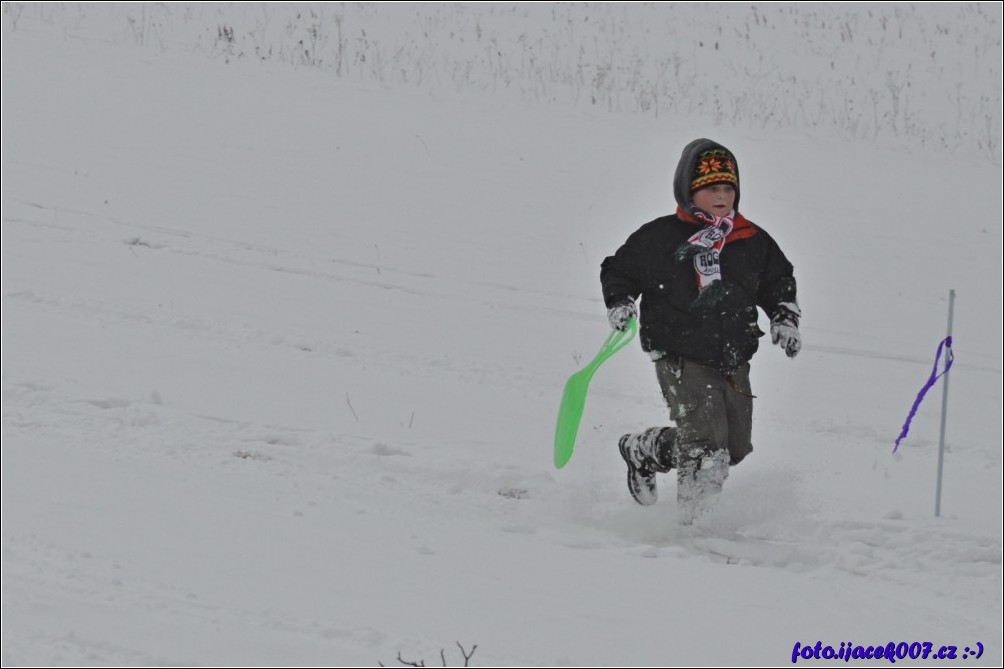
<point>713,415</point>
<point>711,410</point>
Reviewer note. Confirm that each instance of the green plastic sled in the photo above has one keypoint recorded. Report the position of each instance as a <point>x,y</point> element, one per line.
<point>573,401</point>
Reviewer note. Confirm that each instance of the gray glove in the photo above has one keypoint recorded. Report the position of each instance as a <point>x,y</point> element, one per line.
<point>784,328</point>
<point>621,313</point>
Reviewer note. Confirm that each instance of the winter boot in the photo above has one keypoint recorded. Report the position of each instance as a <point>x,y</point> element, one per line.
<point>640,474</point>
<point>700,481</point>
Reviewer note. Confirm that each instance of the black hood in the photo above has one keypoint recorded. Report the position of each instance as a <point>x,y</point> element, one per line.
<point>687,165</point>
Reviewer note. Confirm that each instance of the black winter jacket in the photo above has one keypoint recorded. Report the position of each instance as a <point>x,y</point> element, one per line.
<point>725,336</point>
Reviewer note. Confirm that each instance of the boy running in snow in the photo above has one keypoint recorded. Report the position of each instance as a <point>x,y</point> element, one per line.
<point>701,273</point>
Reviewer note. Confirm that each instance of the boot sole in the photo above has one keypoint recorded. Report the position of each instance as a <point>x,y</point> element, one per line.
<point>632,474</point>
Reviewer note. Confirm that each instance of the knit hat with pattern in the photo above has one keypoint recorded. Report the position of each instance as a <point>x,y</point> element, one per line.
<point>704,163</point>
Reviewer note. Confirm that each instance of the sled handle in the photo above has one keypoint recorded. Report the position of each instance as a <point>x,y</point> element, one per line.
<point>616,340</point>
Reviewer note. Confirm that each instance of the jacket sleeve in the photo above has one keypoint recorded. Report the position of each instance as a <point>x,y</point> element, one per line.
<point>620,274</point>
<point>777,280</point>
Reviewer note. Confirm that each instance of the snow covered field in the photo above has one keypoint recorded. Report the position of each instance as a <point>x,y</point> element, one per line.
<point>282,355</point>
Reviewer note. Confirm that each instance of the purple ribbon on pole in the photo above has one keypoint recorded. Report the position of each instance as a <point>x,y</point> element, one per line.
<point>949,358</point>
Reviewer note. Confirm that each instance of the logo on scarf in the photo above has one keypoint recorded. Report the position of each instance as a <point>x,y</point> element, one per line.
<point>708,264</point>
<point>708,237</point>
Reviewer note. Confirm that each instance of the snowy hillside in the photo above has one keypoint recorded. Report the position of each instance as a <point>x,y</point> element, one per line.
<point>283,351</point>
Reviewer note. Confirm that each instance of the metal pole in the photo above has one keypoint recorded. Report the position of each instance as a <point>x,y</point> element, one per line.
<point>944,411</point>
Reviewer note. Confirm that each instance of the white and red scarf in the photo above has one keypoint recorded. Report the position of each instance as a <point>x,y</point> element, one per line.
<point>707,243</point>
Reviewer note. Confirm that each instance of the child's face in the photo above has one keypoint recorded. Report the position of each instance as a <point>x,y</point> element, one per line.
<point>718,199</point>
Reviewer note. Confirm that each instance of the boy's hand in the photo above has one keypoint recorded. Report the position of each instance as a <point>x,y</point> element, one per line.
<point>784,328</point>
<point>788,337</point>
<point>620,314</point>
